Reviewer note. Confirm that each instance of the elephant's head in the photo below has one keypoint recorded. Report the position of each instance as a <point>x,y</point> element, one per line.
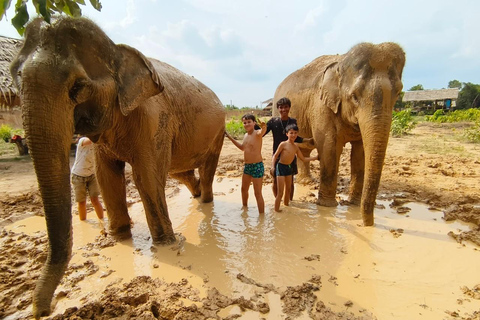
<point>363,86</point>
<point>71,78</point>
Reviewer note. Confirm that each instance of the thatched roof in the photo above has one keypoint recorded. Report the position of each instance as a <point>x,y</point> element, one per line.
<point>431,95</point>
<point>8,49</point>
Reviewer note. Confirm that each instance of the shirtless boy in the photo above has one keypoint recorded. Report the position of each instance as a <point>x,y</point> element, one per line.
<point>252,154</point>
<point>284,171</point>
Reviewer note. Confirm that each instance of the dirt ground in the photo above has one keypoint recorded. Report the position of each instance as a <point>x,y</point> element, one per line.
<point>431,165</point>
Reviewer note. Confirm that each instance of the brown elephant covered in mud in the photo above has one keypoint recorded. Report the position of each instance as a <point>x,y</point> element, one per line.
<point>73,78</point>
<point>347,98</point>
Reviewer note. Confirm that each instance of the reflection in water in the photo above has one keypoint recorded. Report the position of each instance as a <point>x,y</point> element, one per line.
<point>392,273</point>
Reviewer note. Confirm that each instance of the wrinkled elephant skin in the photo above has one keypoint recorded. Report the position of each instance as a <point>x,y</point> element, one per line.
<point>73,78</point>
<point>347,98</point>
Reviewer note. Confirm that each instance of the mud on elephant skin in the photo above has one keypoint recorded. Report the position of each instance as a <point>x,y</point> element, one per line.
<point>347,98</point>
<point>73,78</point>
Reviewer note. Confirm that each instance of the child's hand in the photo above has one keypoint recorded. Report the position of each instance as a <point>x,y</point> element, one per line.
<point>262,124</point>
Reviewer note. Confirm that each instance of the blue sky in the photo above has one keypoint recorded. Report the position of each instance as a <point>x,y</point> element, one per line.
<point>243,49</point>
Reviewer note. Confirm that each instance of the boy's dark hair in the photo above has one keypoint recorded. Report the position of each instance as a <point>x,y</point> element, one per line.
<point>284,101</point>
<point>249,116</point>
<point>292,126</point>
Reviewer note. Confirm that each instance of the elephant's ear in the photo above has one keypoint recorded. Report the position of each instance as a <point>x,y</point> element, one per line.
<point>32,40</point>
<point>330,90</point>
<point>137,79</point>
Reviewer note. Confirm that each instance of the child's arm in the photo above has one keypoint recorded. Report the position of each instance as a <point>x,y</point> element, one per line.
<point>263,128</point>
<point>235,142</point>
<point>277,154</point>
<point>305,159</point>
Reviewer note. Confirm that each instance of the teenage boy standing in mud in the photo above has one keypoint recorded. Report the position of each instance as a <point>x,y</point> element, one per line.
<point>285,154</point>
<point>278,125</point>
<point>252,153</point>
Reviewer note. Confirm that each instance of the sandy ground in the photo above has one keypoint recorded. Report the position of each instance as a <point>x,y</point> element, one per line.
<point>429,167</point>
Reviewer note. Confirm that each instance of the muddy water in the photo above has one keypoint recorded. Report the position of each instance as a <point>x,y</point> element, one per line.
<point>412,273</point>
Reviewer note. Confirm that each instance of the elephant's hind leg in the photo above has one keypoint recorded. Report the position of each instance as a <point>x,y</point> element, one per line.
<point>188,178</point>
<point>207,174</point>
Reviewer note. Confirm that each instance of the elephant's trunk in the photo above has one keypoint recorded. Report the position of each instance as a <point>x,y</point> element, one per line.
<point>49,137</point>
<point>375,134</point>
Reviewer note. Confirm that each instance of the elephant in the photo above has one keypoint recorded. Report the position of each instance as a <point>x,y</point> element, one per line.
<point>347,98</point>
<point>73,78</point>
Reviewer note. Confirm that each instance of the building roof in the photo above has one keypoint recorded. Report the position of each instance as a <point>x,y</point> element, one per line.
<point>431,95</point>
<point>8,50</point>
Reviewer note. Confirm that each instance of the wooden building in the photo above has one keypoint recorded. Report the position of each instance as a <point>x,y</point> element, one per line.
<point>432,99</point>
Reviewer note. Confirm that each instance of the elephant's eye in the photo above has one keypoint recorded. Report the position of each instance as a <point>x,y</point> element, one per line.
<point>355,98</point>
<point>76,90</point>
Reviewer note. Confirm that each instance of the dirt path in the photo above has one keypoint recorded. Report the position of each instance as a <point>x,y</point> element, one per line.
<point>430,166</point>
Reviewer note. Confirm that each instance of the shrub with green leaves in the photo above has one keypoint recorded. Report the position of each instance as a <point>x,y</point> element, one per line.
<point>5,132</point>
<point>467,115</point>
<point>235,128</point>
<point>472,134</point>
<point>402,123</point>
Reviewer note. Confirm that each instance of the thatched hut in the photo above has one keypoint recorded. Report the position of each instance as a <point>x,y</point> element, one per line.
<point>8,50</point>
<point>432,99</point>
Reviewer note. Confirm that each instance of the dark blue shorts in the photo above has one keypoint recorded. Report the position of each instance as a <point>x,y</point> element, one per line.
<point>284,169</point>
<point>256,170</point>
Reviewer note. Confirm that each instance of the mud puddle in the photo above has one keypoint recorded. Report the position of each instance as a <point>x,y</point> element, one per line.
<point>406,267</point>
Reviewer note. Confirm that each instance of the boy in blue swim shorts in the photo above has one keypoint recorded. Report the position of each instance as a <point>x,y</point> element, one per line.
<point>284,168</point>
<point>252,154</point>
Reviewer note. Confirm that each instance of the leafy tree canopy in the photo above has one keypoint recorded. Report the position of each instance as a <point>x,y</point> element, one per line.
<point>469,96</point>
<point>416,88</point>
<point>455,84</point>
<point>45,8</point>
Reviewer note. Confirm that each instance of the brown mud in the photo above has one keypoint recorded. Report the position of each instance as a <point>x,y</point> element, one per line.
<point>431,167</point>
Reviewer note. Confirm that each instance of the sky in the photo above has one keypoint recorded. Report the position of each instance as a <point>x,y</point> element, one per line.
<point>242,50</point>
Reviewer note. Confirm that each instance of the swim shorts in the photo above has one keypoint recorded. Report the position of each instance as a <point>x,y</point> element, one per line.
<point>284,169</point>
<point>256,170</point>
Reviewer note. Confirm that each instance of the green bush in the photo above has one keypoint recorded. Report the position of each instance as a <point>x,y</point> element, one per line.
<point>235,128</point>
<point>472,134</point>
<point>5,132</point>
<point>468,115</point>
<point>402,123</point>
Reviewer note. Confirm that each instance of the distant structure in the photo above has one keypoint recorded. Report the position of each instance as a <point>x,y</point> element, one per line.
<point>267,110</point>
<point>8,93</point>
<point>431,100</point>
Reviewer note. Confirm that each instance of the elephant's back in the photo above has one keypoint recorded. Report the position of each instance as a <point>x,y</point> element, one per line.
<point>198,115</point>
<point>304,80</point>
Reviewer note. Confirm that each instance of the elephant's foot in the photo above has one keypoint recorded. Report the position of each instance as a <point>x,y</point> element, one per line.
<point>40,311</point>
<point>368,219</point>
<point>304,178</point>
<point>327,202</point>
<point>164,239</point>
<point>354,200</point>
<point>207,196</point>
<point>121,233</point>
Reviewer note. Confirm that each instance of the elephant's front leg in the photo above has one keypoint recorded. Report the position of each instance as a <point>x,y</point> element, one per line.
<point>357,164</point>
<point>111,178</point>
<point>329,160</point>
<point>151,186</point>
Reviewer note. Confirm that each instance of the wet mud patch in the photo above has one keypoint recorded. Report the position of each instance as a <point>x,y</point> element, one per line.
<point>21,259</point>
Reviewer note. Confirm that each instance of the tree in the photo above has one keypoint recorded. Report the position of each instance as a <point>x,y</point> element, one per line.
<point>45,8</point>
<point>455,84</point>
<point>469,96</point>
<point>416,88</point>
